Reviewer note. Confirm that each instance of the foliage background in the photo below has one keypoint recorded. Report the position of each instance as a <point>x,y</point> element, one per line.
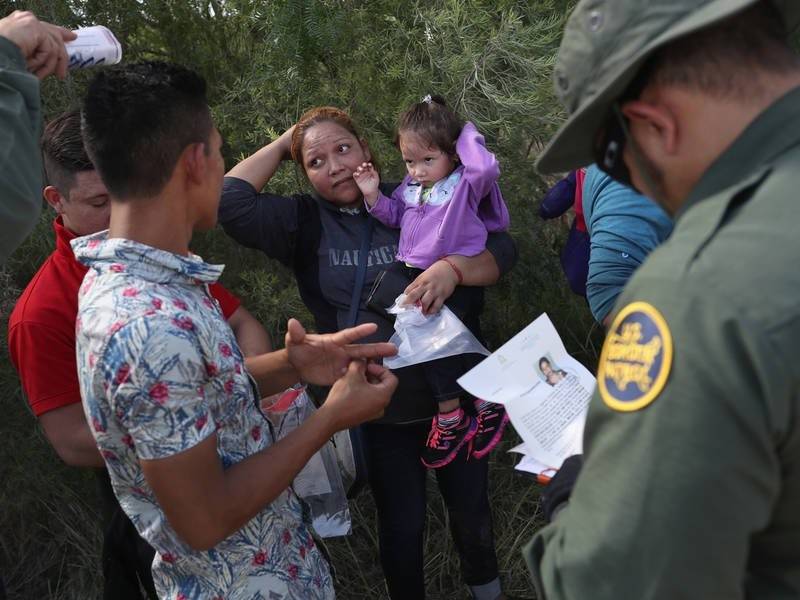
<point>266,62</point>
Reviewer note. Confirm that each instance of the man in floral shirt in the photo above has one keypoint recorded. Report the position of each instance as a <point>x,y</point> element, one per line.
<point>172,407</point>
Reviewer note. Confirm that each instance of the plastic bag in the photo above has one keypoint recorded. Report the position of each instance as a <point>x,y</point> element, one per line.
<point>343,449</point>
<point>319,483</point>
<point>421,338</point>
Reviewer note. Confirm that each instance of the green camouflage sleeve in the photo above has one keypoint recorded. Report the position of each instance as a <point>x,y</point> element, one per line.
<point>20,161</point>
<point>680,465</point>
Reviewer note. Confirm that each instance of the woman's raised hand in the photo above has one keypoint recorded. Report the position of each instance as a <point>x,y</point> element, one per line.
<point>259,168</point>
<point>368,180</point>
<point>286,143</point>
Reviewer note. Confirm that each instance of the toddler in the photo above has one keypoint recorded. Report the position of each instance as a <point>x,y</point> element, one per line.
<point>446,205</point>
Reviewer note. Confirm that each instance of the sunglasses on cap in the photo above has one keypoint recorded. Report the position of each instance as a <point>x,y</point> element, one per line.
<point>611,140</point>
<point>609,147</point>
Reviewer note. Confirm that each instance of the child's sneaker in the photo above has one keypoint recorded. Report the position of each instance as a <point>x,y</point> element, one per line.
<point>492,420</point>
<point>449,432</point>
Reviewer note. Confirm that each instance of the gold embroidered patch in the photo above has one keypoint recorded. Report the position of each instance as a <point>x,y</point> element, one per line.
<point>636,359</point>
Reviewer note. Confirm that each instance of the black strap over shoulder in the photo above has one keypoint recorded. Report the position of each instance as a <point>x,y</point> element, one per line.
<point>361,273</point>
<point>356,433</point>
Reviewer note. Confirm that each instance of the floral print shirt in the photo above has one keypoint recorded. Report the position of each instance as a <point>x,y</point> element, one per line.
<point>160,371</point>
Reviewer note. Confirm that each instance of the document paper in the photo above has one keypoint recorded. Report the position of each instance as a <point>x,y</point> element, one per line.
<point>545,392</point>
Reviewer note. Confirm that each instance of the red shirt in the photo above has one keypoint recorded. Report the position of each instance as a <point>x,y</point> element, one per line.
<point>41,329</point>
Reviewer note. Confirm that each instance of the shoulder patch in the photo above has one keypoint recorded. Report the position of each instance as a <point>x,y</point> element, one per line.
<point>636,358</point>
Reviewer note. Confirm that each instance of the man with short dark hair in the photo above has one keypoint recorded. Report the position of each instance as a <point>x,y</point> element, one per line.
<point>691,478</point>
<point>43,324</point>
<point>173,409</point>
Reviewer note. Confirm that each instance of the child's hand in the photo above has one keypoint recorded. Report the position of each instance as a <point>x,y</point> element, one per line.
<point>367,180</point>
<point>435,285</point>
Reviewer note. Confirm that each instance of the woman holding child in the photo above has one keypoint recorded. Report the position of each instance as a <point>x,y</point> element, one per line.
<point>320,236</point>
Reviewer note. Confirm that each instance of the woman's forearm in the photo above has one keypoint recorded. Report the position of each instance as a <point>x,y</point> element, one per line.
<point>480,270</point>
<point>259,168</point>
<point>437,283</point>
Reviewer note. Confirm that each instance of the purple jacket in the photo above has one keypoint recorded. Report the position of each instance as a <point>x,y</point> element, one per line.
<point>459,212</point>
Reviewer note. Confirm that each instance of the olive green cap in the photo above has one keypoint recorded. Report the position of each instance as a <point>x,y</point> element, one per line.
<point>605,44</point>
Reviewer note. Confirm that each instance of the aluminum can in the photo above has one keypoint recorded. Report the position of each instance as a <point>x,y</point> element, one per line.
<point>94,46</point>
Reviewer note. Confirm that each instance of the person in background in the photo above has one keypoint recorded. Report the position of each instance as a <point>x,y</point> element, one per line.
<point>565,194</point>
<point>614,229</point>
<point>30,50</point>
<point>691,476</point>
<point>624,227</point>
<point>42,323</point>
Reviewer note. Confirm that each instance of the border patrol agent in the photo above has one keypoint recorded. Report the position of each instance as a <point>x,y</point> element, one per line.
<point>690,485</point>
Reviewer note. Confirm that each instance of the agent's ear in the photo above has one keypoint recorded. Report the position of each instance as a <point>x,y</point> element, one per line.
<point>653,126</point>
<point>54,198</point>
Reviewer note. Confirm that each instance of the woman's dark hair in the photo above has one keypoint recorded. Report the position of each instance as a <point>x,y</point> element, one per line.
<point>544,360</point>
<point>434,122</point>
<point>138,119</point>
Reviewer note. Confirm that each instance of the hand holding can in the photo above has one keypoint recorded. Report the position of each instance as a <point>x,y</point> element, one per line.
<point>42,44</point>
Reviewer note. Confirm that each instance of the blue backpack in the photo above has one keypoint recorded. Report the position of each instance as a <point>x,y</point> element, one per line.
<point>575,254</point>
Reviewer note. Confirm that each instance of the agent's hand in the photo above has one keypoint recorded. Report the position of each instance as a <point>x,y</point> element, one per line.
<point>323,358</point>
<point>41,44</point>
<point>368,180</point>
<point>432,287</point>
<point>558,491</point>
<point>360,395</point>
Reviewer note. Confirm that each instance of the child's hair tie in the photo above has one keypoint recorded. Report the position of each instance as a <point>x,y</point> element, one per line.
<point>427,99</point>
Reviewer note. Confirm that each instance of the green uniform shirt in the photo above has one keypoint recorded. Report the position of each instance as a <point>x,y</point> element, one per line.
<point>20,160</point>
<point>691,481</point>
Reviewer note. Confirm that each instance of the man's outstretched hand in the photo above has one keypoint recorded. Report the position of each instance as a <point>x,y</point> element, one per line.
<point>323,358</point>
